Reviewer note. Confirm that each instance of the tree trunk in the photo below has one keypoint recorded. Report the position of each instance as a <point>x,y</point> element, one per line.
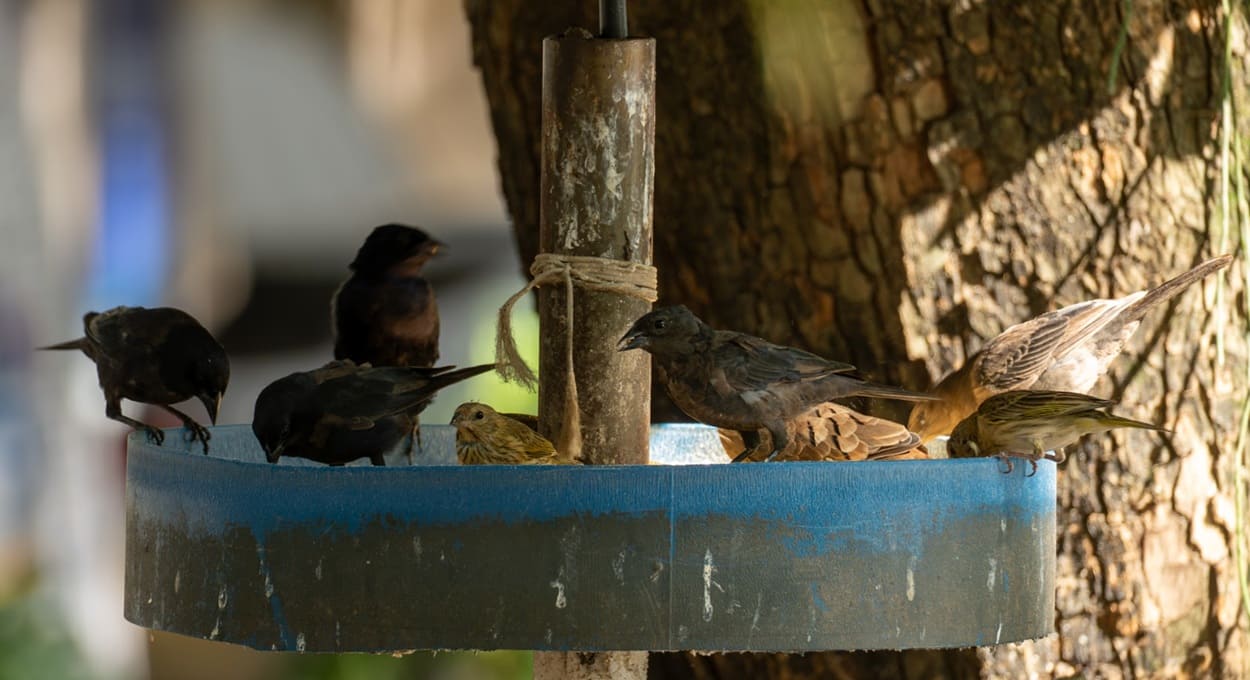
<point>893,183</point>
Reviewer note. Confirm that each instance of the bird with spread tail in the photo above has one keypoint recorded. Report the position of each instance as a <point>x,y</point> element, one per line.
<point>487,437</point>
<point>1034,424</point>
<point>385,313</point>
<point>1068,349</point>
<point>157,356</point>
<point>343,411</point>
<point>741,382</point>
<point>832,432</point>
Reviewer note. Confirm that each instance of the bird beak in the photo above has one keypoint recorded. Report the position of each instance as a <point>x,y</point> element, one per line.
<point>212,404</point>
<point>273,456</point>
<point>634,339</point>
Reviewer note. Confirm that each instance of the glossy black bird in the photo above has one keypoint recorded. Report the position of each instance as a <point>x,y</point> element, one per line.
<point>158,356</point>
<point>741,382</point>
<point>385,313</point>
<point>343,411</point>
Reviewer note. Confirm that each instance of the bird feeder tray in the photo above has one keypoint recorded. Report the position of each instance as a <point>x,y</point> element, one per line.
<point>747,557</point>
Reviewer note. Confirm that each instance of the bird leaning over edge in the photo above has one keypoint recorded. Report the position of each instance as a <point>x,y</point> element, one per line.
<point>343,411</point>
<point>1028,424</point>
<point>157,356</point>
<point>741,382</point>
<point>833,432</point>
<point>1068,349</point>
<point>487,437</point>
<point>385,313</point>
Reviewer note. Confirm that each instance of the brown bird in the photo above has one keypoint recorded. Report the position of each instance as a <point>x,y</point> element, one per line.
<point>385,314</point>
<point>742,382</point>
<point>1068,349</point>
<point>486,437</point>
<point>343,411</point>
<point>834,432</point>
<point>157,356</point>
<point>1033,425</point>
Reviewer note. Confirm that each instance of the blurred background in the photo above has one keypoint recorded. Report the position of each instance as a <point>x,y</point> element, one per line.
<point>225,157</point>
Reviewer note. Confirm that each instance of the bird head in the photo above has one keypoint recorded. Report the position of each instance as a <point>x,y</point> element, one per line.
<point>393,246</point>
<point>271,417</point>
<point>930,419</point>
<point>470,416</point>
<point>667,330</point>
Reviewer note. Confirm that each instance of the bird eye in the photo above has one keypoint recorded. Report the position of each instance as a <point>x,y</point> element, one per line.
<point>479,415</point>
<point>660,324</point>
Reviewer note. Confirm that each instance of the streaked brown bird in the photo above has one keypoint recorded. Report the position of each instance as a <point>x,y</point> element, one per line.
<point>342,411</point>
<point>1033,425</point>
<point>741,382</point>
<point>385,313</point>
<point>157,356</point>
<point>834,432</point>
<point>1068,349</point>
<point>487,437</point>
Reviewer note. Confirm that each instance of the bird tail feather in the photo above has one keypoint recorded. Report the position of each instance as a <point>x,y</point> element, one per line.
<point>1170,288</point>
<point>431,385</point>
<point>80,343</point>
<point>1121,421</point>
<point>888,392</point>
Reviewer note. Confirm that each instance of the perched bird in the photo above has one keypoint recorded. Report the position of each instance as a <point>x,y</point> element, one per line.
<point>385,314</point>
<point>486,437</point>
<point>157,356</point>
<point>834,432</point>
<point>344,411</point>
<point>1068,349</point>
<point>1029,424</point>
<point>742,382</point>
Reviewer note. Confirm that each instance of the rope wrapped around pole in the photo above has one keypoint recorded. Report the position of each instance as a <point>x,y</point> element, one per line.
<point>599,274</point>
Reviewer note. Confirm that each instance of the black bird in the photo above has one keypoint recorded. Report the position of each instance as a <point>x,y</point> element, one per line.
<point>158,356</point>
<point>385,313</point>
<point>741,382</point>
<point>343,411</point>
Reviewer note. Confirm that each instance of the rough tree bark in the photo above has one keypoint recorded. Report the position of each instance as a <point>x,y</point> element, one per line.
<point>891,183</point>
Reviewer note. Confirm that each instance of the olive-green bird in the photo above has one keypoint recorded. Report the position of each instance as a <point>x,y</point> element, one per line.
<point>1033,425</point>
<point>487,437</point>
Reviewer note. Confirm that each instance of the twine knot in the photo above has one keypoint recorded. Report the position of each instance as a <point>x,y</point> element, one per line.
<point>598,274</point>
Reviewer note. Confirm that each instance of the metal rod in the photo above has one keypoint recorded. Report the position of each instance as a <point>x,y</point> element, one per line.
<point>613,19</point>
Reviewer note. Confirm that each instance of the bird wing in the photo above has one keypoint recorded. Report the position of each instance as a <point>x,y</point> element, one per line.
<point>750,363</point>
<point>846,434</point>
<point>1034,405</point>
<point>1088,319</point>
<point>832,432</point>
<point>1018,355</point>
<point>114,329</point>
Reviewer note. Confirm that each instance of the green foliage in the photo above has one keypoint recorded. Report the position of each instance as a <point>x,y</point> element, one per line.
<point>416,666</point>
<point>35,644</point>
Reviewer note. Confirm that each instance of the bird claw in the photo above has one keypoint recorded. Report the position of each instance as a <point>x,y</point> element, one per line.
<point>193,432</point>
<point>1006,458</point>
<point>155,435</point>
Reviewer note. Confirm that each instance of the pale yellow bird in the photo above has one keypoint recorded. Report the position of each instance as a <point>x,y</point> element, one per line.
<point>487,437</point>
